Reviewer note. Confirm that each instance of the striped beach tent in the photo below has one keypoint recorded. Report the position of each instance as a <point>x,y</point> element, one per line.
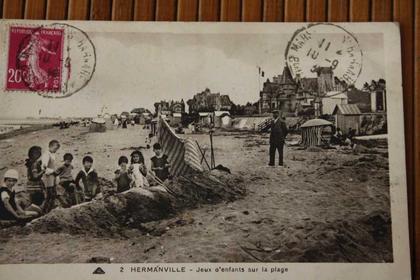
<point>312,132</point>
<point>183,154</point>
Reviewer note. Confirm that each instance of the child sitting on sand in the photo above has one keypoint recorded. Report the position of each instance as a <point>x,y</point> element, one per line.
<point>123,175</point>
<point>89,179</point>
<point>138,170</point>
<point>160,163</point>
<point>49,164</point>
<point>8,208</point>
<point>24,204</point>
<point>67,186</point>
<point>35,186</point>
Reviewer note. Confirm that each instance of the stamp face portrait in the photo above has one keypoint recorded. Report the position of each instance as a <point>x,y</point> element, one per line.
<point>324,45</point>
<point>35,59</point>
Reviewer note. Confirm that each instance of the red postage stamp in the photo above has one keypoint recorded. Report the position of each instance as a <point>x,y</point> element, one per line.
<point>35,59</point>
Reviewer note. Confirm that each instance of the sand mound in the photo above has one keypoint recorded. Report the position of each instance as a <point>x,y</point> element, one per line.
<point>367,163</point>
<point>112,214</point>
<point>335,241</point>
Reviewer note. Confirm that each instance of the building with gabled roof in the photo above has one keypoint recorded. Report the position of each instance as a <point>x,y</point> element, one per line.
<point>347,116</point>
<point>206,101</point>
<point>284,93</point>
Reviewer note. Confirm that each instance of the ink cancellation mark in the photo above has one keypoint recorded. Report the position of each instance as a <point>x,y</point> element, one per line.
<point>324,45</point>
<point>54,61</point>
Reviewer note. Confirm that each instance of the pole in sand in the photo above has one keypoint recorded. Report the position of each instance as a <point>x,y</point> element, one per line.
<point>203,155</point>
<point>212,161</point>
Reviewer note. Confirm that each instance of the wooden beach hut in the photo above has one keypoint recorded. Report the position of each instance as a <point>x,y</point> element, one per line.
<point>217,117</point>
<point>312,132</point>
<point>347,116</point>
<point>226,121</point>
<point>204,118</point>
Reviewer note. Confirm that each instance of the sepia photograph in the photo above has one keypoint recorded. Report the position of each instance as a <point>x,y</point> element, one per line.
<point>228,144</point>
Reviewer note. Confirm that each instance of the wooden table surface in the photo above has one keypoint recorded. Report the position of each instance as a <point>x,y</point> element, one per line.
<point>406,12</point>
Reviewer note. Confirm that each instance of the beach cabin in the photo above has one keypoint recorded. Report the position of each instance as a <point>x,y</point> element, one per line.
<point>218,116</point>
<point>204,118</point>
<point>144,118</point>
<point>226,121</point>
<point>153,126</point>
<point>312,132</point>
<point>347,116</point>
<point>176,119</point>
<point>332,99</point>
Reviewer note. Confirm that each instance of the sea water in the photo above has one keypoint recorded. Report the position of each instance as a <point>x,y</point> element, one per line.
<point>8,125</point>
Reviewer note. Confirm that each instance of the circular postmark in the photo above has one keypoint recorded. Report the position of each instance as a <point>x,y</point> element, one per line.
<point>324,45</point>
<point>55,60</point>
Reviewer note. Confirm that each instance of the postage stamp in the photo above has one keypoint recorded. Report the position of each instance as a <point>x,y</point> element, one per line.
<point>55,60</point>
<point>34,59</point>
<point>324,45</point>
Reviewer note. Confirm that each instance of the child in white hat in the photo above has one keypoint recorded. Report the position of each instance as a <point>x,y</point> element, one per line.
<point>8,208</point>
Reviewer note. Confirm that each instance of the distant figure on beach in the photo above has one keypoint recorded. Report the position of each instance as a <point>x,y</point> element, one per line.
<point>160,163</point>
<point>139,170</point>
<point>351,133</point>
<point>124,123</point>
<point>277,137</point>
<point>337,137</point>
<point>148,140</point>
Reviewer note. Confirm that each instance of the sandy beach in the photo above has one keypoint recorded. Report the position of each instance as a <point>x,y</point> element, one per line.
<point>285,216</point>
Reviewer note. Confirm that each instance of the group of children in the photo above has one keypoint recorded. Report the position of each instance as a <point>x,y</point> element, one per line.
<point>50,184</point>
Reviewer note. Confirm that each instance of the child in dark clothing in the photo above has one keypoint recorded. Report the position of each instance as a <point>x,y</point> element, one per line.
<point>67,183</point>
<point>123,175</point>
<point>89,179</point>
<point>35,185</point>
<point>160,163</point>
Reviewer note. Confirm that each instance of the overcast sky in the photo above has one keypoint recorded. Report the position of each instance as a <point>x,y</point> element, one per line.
<point>138,69</point>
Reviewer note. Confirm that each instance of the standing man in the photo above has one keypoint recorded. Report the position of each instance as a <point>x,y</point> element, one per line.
<point>277,136</point>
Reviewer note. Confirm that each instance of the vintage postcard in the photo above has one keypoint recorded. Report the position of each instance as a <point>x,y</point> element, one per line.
<point>202,151</point>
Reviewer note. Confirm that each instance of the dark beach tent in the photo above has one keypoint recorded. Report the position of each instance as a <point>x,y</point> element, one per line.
<point>153,126</point>
<point>312,132</point>
<point>98,125</point>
